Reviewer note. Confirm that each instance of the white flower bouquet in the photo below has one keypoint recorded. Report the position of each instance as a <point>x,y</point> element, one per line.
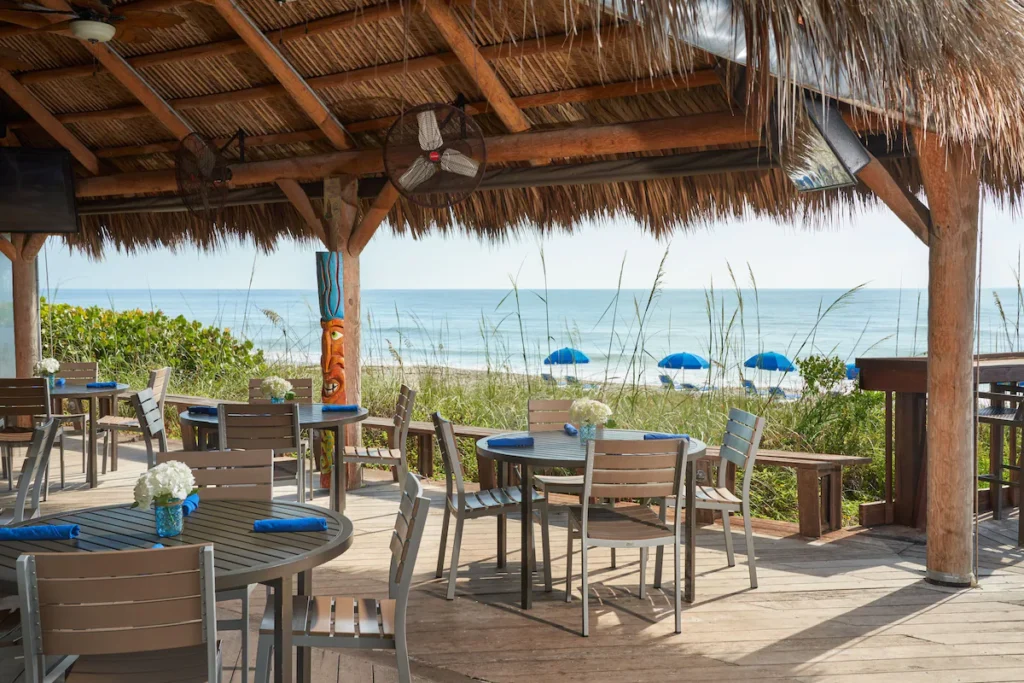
<point>167,483</point>
<point>275,388</point>
<point>587,411</point>
<point>46,367</point>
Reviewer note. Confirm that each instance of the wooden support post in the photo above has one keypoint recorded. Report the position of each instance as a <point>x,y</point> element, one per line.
<point>25,292</point>
<point>953,189</point>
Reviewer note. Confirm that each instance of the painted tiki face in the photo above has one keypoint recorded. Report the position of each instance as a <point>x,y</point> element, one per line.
<point>333,360</point>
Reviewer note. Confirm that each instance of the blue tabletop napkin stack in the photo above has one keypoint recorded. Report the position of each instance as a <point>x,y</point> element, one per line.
<point>189,505</point>
<point>42,532</point>
<point>202,410</point>
<point>101,385</point>
<point>511,442</point>
<point>59,382</point>
<point>570,429</point>
<point>157,546</point>
<point>658,435</point>
<point>350,408</point>
<point>264,526</point>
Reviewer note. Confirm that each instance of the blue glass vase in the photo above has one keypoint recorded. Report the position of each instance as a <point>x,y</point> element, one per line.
<point>168,519</point>
<point>50,380</point>
<point>588,432</point>
<point>275,399</point>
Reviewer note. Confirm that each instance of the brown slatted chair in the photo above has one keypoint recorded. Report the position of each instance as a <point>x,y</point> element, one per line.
<point>33,475</point>
<point>628,470</point>
<point>465,505</point>
<point>98,606</point>
<point>360,622</point>
<point>22,398</point>
<point>231,475</point>
<point>112,425</point>
<point>150,420</point>
<point>263,426</point>
<point>302,387</point>
<point>75,374</point>
<point>396,453</point>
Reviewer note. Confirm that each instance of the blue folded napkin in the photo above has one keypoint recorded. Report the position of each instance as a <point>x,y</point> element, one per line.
<point>157,546</point>
<point>511,442</point>
<point>202,410</point>
<point>59,382</point>
<point>299,524</point>
<point>101,385</point>
<point>43,532</point>
<point>189,505</point>
<point>570,429</point>
<point>658,435</point>
<point>351,408</point>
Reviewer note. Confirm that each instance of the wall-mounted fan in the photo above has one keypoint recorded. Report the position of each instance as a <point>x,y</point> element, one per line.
<point>96,21</point>
<point>434,155</point>
<point>203,175</point>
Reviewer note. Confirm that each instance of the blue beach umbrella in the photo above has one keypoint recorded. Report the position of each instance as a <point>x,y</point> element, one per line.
<point>852,371</point>
<point>683,361</point>
<point>566,356</point>
<point>769,360</point>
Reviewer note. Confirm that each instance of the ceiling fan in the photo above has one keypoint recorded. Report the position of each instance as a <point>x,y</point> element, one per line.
<point>96,21</point>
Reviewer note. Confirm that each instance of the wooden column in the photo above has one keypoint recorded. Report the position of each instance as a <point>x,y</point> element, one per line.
<point>25,290</point>
<point>951,183</point>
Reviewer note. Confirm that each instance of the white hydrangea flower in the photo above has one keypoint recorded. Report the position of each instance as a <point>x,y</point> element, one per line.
<point>275,387</point>
<point>47,366</point>
<point>589,411</point>
<point>166,482</point>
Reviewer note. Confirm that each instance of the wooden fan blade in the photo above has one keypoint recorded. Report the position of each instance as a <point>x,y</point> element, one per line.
<point>12,61</point>
<point>25,19</point>
<point>97,6</point>
<point>59,26</point>
<point>132,34</point>
<point>29,7</point>
<point>148,19</point>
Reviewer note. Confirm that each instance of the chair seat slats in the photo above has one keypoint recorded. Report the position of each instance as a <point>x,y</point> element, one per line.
<point>350,617</point>
<point>180,665</point>
<point>489,499</point>
<point>16,434</point>
<point>571,483</point>
<point>360,453</point>
<point>369,625</point>
<point>633,522</point>
<point>117,422</point>
<point>716,494</point>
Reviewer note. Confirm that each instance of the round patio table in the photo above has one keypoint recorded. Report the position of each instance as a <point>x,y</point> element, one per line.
<point>241,556</point>
<point>558,449</point>
<point>83,393</point>
<point>311,416</point>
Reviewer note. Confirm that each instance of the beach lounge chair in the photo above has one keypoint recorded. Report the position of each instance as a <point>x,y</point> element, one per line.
<point>548,377</point>
<point>750,389</point>
<point>779,392</point>
<point>667,382</point>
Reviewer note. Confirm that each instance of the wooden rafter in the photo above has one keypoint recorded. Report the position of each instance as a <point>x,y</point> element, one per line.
<point>906,206</point>
<point>8,249</point>
<point>582,141</point>
<point>33,245</point>
<point>372,219</point>
<point>300,200</point>
<point>41,115</point>
<point>479,70</point>
<point>284,72</point>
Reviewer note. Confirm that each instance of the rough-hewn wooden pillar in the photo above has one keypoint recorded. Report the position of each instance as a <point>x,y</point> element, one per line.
<point>25,291</point>
<point>952,186</point>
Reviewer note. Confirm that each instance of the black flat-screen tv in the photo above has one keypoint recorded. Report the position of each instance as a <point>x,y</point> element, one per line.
<point>37,191</point>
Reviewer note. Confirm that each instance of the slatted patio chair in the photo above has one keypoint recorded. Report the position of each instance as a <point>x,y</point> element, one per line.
<point>231,475</point>
<point>97,605</point>
<point>465,505</point>
<point>360,622</point>
<point>628,470</point>
<point>33,475</point>
<point>302,387</point>
<point>23,398</point>
<point>262,426</point>
<point>149,421</point>
<point>113,424</point>
<point>396,453</point>
<point>75,374</point>
<point>739,447</point>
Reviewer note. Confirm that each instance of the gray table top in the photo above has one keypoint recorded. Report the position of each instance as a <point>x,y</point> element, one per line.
<point>558,449</point>
<point>311,415</point>
<point>82,391</point>
<point>241,556</point>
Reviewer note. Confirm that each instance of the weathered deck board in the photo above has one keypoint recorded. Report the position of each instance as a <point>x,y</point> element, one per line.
<point>849,607</point>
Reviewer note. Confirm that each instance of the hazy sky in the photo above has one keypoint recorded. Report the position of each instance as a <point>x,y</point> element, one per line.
<point>872,248</point>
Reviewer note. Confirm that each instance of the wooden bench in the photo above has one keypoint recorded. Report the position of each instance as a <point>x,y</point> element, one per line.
<point>819,476</point>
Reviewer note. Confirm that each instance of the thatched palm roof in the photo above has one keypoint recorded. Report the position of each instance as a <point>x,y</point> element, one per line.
<point>953,65</point>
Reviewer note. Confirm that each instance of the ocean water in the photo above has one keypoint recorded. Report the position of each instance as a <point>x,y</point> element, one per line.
<point>624,333</point>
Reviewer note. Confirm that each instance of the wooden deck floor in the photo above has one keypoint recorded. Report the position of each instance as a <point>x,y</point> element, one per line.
<point>850,607</point>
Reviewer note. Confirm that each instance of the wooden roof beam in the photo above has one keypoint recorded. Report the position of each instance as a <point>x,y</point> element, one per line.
<point>284,72</point>
<point>300,200</point>
<point>905,205</point>
<point>682,132</point>
<point>474,62</point>
<point>372,219</point>
<point>41,115</point>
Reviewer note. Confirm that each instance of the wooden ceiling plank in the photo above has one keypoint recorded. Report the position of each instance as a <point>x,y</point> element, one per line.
<point>41,115</point>
<point>372,219</point>
<point>284,72</point>
<point>496,94</point>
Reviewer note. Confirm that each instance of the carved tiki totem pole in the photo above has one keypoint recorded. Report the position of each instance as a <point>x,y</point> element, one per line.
<point>332,350</point>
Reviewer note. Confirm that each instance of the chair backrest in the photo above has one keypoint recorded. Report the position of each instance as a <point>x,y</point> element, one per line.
<point>739,446</point>
<point>405,540</point>
<point>229,475</point>
<point>547,415</point>
<point>159,379</point>
<point>151,422</point>
<point>24,397</point>
<point>547,377</point>
<point>450,457</point>
<point>749,387</point>
<point>259,426</point>
<point>302,387</point>
<point>667,381</point>
<point>33,471</point>
<point>79,374</point>
<point>403,416</point>
<point>96,603</point>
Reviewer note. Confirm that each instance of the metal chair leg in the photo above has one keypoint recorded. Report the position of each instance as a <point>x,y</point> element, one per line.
<point>643,573</point>
<point>678,589</point>
<point>453,572</point>
<point>751,560</point>
<point>444,542</point>
<point>264,651</point>
<point>568,567</point>
<point>586,591</point>
<point>729,554</point>
<point>545,546</point>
